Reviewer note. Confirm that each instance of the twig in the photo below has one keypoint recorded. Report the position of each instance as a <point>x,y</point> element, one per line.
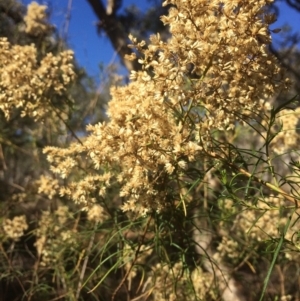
<point>257,179</point>
<point>133,262</point>
<point>67,19</point>
<point>88,251</point>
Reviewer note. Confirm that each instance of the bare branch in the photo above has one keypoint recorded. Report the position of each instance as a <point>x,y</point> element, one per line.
<point>112,6</point>
<point>114,30</point>
<point>294,4</point>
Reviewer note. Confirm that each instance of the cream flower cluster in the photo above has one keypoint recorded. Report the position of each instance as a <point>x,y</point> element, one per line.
<point>216,62</point>
<point>288,137</point>
<point>214,68</point>
<point>14,228</point>
<point>36,19</point>
<point>52,235</point>
<point>188,284</point>
<point>48,186</point>
<point>29,84</point>
<point>263,222</point>
<point>96,214</point>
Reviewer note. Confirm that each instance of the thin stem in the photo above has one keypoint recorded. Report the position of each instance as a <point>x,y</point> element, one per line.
<point>86,259</point>
<point>257,179</point>
<point>134,260</point>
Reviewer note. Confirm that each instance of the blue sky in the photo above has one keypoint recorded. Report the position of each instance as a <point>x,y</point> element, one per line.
<point>92,49</point>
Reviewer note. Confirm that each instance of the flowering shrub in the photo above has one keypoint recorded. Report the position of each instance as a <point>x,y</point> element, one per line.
<point>163,120</point>
<point>174,198</point>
